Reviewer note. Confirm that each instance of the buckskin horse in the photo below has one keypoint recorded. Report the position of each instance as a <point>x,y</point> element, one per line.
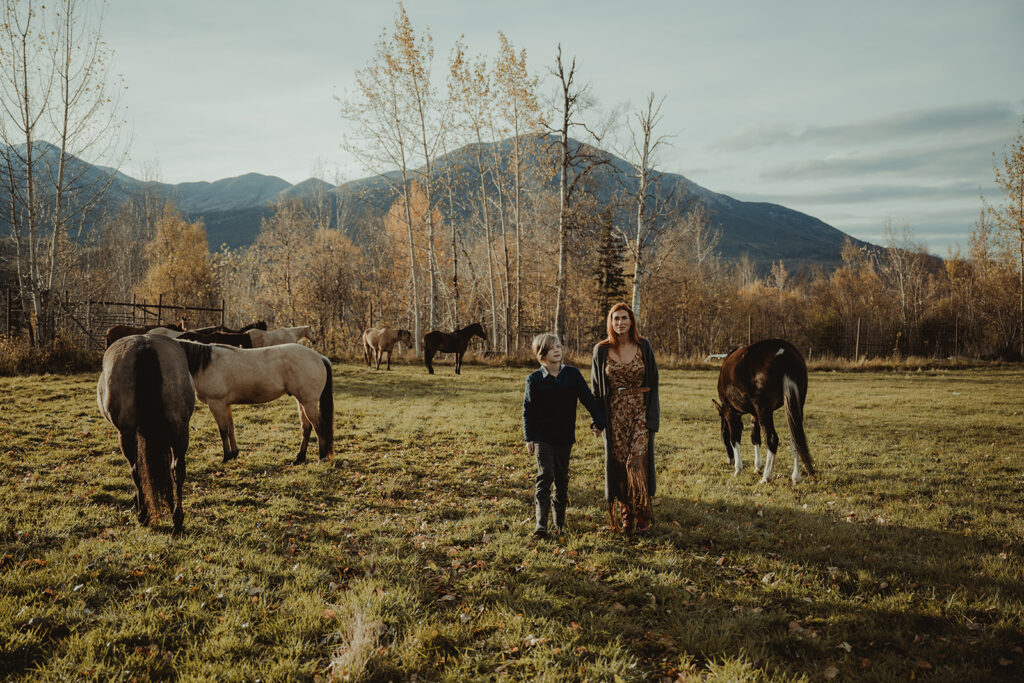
<point>380,340</point>
<point>145,391</point>
<point>225,376</point>
<point>757,380</point>
<point>285,335</point>
<point>119,331</point>
<point>450,342</point>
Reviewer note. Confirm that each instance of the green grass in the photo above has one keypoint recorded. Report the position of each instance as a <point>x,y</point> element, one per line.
<point>409,554</point>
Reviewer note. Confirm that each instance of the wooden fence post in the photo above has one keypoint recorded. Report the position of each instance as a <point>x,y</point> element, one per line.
<point>222,307</point>
<point>160,309</point>
<point>856,344</point>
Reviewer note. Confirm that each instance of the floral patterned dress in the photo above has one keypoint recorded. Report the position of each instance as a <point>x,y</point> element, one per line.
<point>629,436</point>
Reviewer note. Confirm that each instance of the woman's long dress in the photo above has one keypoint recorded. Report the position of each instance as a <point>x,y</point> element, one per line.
<point>630,437</point>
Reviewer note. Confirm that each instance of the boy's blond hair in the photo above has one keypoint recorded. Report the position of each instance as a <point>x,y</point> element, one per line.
<point>543,343</point>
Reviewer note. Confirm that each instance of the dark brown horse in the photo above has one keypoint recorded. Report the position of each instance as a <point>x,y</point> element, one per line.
<point>239,339</point>
<point>380,340</point>
<point>757,380</point>
<point>147,393</point>
<point>258,325</point>
<point>450,342</point>
<point>118,331</point>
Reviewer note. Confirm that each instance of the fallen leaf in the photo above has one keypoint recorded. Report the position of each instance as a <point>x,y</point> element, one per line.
<point>846,646</point>
<point>831,672</point>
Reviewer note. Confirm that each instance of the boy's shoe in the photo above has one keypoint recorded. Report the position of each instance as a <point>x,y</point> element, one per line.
<point>540,532</point>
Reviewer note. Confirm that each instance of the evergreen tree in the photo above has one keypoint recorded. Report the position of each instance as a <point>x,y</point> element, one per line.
<point>608,272</point>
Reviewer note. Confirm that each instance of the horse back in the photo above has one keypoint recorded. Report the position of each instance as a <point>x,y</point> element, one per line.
<point>753,375</point>
<point>120,380</point>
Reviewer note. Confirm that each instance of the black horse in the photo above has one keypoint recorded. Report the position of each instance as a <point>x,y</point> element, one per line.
<point>450,342</point>
<point>758,379</point>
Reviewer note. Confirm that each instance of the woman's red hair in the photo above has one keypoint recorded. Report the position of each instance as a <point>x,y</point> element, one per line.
<point>613,339</point>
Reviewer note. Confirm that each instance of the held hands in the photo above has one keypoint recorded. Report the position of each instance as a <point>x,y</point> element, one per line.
<point>595,431</point>
<point>531,447</point>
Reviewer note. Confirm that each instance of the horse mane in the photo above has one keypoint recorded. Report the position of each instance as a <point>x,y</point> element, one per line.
<point>198,355</point>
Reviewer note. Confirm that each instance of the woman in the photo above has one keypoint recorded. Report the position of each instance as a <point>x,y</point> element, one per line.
<point>624,378</point>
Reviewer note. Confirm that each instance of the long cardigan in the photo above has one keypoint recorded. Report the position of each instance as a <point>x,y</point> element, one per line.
<point>599,385</point>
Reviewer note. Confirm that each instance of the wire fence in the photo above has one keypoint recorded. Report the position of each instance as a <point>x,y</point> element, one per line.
<point>85,323</point>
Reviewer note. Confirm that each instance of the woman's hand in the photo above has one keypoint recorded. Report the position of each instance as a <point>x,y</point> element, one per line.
<point>530,446</point>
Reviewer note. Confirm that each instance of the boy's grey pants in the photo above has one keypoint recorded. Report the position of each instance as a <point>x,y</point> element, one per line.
<point>552,467</point>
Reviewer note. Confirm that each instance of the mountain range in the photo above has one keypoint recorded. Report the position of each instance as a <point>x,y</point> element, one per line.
<point>232,208</point>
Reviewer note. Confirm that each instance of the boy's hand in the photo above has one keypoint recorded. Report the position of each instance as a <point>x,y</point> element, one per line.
<point>530,445</point>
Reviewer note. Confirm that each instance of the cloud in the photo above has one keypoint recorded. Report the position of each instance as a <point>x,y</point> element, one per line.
<point>961,160</point>
<point>864,194</point>
<point>970,120</point>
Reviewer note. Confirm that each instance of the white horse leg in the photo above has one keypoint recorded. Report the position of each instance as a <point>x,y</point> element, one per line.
<point>737,459</point>
<point>769,468</point>
<point>755,438</point>
<point>796,463</point>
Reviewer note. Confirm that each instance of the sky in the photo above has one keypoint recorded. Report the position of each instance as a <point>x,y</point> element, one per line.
<point>862,114</point>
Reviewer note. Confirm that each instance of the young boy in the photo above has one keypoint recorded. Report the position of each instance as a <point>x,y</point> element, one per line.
<point>549,426</point>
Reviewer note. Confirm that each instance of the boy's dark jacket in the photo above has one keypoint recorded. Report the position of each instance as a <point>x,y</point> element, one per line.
<point>549,405</point>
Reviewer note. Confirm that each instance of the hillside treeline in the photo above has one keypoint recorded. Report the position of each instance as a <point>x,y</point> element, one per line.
<point>510,235</point>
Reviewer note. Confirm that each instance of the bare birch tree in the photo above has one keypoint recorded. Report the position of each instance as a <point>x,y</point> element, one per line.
<point>651,208</point>
<point>396,125</point>
<point>575,162</point>
<point>520,111</point>
<point>59,106</point>
<point>1009,219</point>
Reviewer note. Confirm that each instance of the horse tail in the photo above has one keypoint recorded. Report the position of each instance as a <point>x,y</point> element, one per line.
<point>152,434</point>
<point>428,353</point>
<point>326,426</point>
<point>795,416</point>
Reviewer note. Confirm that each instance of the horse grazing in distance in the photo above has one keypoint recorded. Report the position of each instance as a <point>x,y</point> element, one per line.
<point>119,331</point>
<point>164,331</point>
<point>758,379</point>
<point>285,335</point>
<point>258,325</point>
<point>450,342</point>
<point>225,376</point>
<point>241,340</point>
<point>380,340</point>
<point>145,391</point>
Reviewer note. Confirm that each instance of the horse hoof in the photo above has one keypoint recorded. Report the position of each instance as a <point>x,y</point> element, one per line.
<point>763,481</point>
<point>228,457</point>
<point>299,461</point>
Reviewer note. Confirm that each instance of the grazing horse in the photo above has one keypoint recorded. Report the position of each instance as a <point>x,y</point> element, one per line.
<point>450,342</point>
<point>285,335</point>
<point>380,340</point>
<point>758,379</point>
<point>145,391</point>
<point>258,325</point>
<point>239,339</point>
<point>118,331</point>
<point>164,331</point>
<point>225,375</point>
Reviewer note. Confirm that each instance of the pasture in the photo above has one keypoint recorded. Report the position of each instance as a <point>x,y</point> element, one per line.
<point>408,556</point>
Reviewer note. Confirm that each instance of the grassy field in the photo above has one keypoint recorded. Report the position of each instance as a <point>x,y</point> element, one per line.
<point>409,557</point>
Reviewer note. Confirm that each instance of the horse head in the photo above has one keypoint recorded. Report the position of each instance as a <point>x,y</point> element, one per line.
<point>405,336</point>
<point>478,330</point>
<point>307,332</point>
<point>731,424</point>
